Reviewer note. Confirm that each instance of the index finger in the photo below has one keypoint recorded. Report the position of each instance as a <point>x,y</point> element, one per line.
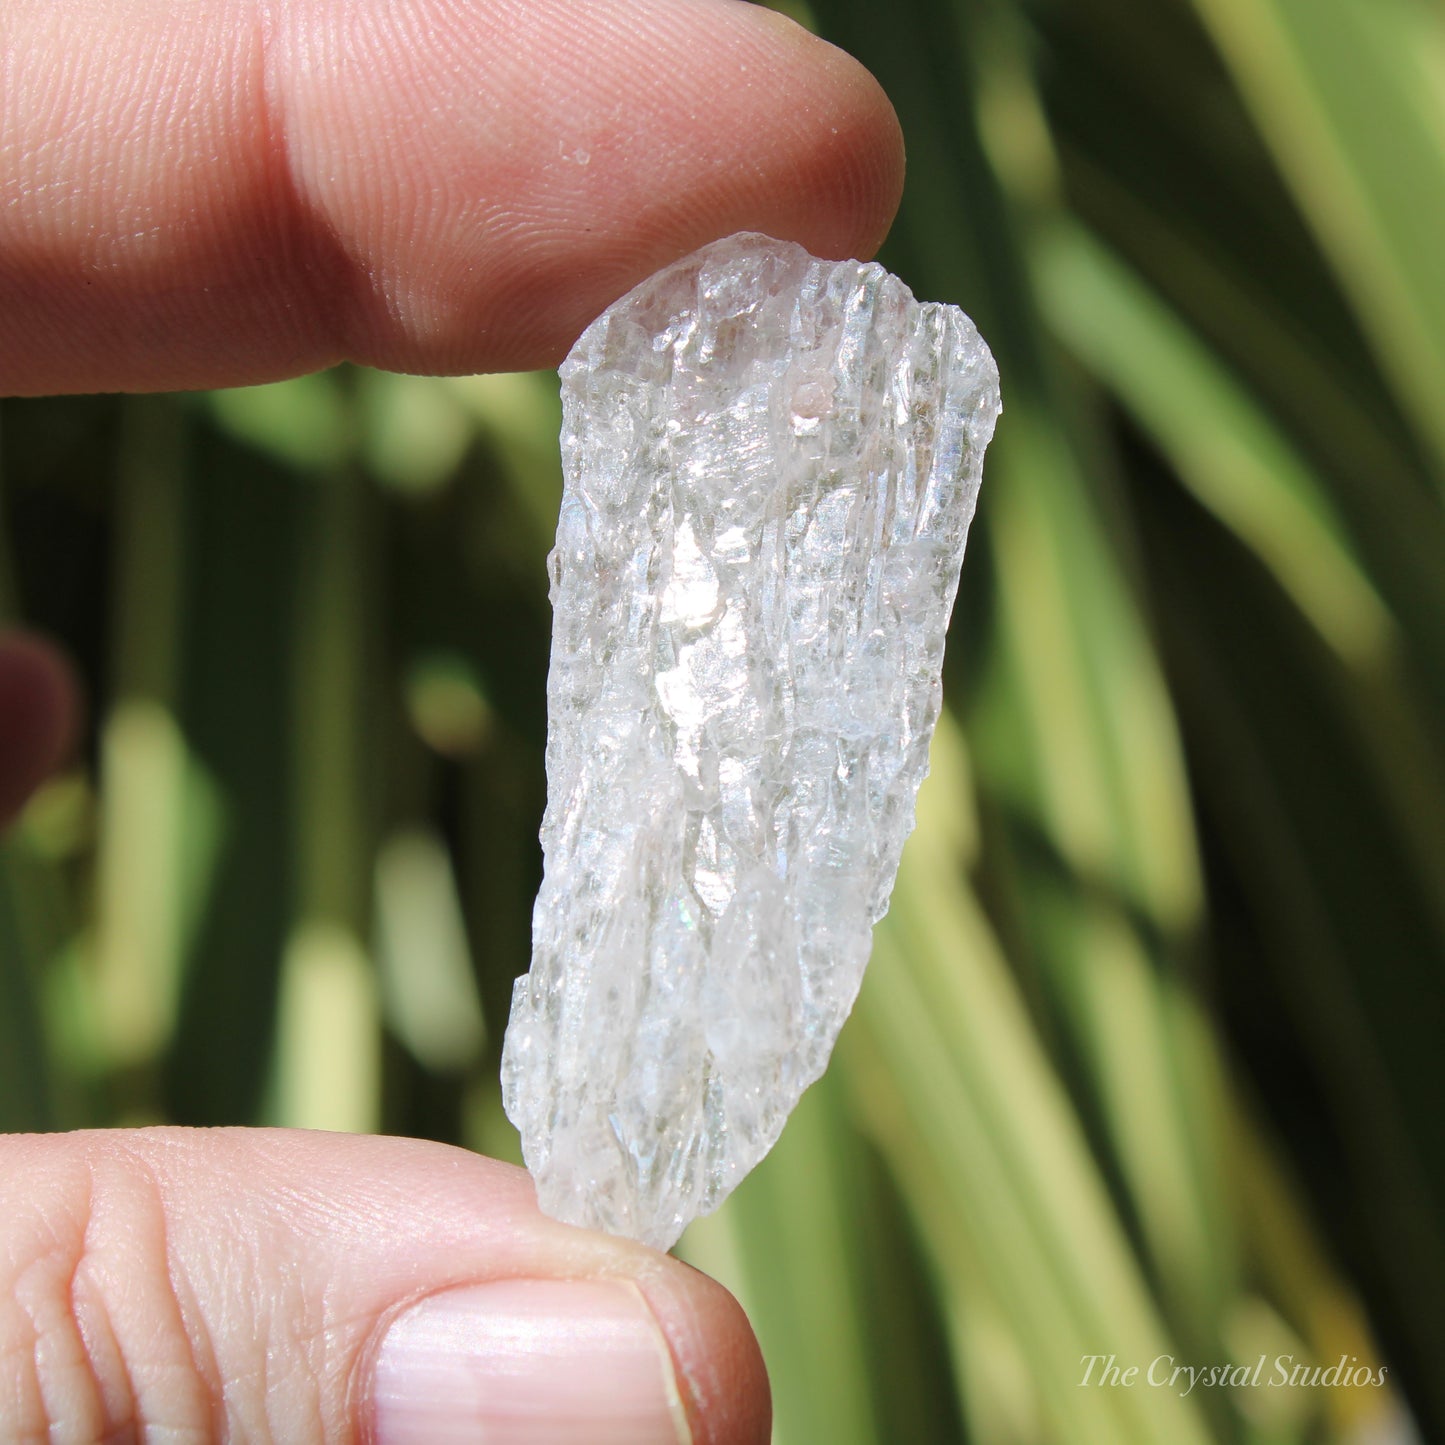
<point>233,191</point>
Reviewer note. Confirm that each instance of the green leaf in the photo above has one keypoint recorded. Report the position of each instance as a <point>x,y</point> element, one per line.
<point>1349,97</point>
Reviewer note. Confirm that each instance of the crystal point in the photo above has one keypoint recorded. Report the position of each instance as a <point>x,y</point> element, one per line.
<point>770,463</point>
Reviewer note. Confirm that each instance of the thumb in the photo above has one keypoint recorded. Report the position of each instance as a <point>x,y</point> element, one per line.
<point>274,1285</point>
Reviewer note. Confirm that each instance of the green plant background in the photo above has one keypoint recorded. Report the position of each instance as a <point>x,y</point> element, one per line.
<point>1148,1061</point>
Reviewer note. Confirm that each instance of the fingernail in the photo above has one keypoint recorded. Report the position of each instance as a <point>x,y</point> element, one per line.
<point>528,1362</point>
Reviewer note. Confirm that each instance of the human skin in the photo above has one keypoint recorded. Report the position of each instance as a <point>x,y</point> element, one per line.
<point>233,191</point>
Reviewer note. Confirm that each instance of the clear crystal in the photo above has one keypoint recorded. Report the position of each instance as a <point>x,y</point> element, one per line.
<point>771,464</point>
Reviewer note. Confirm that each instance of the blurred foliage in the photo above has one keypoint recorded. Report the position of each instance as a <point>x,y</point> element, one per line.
<point>1148,1060</point>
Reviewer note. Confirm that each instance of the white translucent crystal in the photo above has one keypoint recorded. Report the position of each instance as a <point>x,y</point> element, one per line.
<point>771,464</point>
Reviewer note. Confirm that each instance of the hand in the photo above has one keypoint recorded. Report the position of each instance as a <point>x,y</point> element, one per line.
<point>233,191</point>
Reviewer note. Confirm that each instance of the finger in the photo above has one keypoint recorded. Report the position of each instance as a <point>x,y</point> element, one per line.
<point>272,1285</point>
<point>231,191</point>
<point>37,717</point>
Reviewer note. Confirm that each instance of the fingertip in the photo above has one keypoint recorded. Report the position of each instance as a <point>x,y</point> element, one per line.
<point>441,186</point>
<point>355,1288</point>
<point>38,711</point>
<point>688,120</point>
<point>620,136</point>
<point>827,149</point>
<point>851,148</point>
<point>719,1362</point>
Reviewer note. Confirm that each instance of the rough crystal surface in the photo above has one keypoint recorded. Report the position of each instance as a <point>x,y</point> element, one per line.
<point>771,463</point>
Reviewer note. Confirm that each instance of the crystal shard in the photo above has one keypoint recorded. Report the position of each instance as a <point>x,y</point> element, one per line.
<point>771,463</point>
